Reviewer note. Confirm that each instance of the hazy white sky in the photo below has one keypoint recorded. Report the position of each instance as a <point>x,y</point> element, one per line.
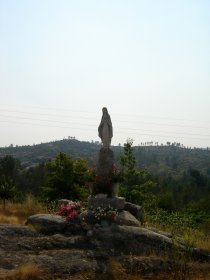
<point>147,61</point>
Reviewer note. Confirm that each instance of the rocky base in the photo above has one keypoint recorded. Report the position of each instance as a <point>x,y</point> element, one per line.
<point>50,224</point>
<point>71,256</point>
<point>121,238</point>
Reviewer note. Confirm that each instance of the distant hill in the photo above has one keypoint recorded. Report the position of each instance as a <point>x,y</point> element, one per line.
<point>172,159</point>
<point>31,155</point>
<point>159,160</point>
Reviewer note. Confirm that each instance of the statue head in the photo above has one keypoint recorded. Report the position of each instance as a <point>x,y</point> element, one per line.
<point>104,110</point>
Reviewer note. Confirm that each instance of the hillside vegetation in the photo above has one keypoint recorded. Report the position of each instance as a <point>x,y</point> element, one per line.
<point>170,159</point>
<point>31,155</point>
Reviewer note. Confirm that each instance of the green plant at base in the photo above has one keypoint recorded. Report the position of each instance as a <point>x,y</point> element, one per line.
<point>175,222</point>
<point>7,189</point>
<point>181,256</point>
<point>107,213</point>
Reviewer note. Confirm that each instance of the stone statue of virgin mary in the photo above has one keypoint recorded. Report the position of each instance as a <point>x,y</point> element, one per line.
<point>105,130</point>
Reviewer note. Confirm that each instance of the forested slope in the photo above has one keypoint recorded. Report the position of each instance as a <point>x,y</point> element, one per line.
<point>159,160</point>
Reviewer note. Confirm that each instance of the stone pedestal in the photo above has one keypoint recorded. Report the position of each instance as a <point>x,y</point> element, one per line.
<point>115,189</point>
<point>105,202</point>
<point>105,164</point>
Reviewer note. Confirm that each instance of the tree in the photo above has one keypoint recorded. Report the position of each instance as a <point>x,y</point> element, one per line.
<point>197,178</point>
<point>137,185</point>
<point>65,178</point>
<point>7,189</point>
<point>31,179</point>
<point>128,163</point>
<point>9,166</point>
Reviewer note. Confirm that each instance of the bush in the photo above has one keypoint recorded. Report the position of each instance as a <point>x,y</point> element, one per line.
<point>175,222</point>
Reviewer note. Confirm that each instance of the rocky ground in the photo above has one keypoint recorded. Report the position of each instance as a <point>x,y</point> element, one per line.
<point>84,252</point>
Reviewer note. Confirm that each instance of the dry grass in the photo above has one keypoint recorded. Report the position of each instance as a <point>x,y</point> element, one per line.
<point>17,213</point>
<point>115,271</point>
<point>203,241</point>
<point>196,237</point>
<point>197,271</point>
<point>4,219</point>
<point>29,271</point>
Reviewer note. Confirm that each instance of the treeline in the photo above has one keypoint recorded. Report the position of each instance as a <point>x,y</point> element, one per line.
<point>171,158</point>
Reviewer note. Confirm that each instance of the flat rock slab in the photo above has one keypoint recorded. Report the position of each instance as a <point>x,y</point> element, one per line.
<point>127,219</point>
<point>47,222</point>
<point>50,224</point>
<point>68,254</point>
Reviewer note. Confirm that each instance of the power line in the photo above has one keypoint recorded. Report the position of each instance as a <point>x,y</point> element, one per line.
<point>141,122</point>
<point>43,114</point>
<point>44,120</point>
<point>117,132</point>
<point>53,126</point>
<point>83,125</point>
<point>96,112</point>
<point>91,125</point>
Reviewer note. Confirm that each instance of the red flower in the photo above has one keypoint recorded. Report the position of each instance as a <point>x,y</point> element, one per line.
<point>70,211</point>
<point>72,214</point>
